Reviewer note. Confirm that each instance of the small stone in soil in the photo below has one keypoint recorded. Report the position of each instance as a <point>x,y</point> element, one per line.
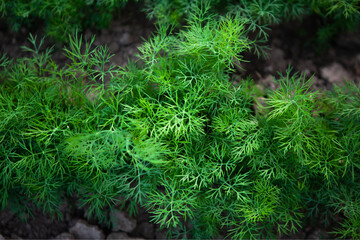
<point>318,234</point>
<point>84,230</point>
<point>277,61</point>
<point>125,39</point>
<point>335,73</point>
<point>121,221</point>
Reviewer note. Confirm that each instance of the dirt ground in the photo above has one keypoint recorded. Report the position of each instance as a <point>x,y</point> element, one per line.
<point>126,33</point>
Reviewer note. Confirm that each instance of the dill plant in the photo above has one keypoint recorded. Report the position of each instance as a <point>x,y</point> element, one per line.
<point>335,16</point>
<point>64,17</point>
<point>59,17</point>
<point>172,134</point>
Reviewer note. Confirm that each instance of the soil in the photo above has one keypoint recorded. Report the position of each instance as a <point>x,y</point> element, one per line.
<point>290,45</point>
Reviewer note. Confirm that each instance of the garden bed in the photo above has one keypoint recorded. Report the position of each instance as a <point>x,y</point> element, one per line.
<point>289,45</point>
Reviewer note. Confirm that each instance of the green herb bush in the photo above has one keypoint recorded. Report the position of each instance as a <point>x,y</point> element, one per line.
<point>263,12</point>
<point>59,17</point>
<point>173,134</point>
<point>63,17</point>
<point>335,16</point>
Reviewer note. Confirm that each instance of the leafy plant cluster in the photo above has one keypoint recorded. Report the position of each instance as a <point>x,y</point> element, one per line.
<point>173,134</point>
<point>64,17</point>
<point>59,17</point>
<point>335,15</point>
<point>263,12</point>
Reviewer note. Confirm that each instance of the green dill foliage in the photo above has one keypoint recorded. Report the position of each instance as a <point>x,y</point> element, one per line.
<point>344,103</point>
<point>60,17</point>
<point>335,15</point>
<point>258,14</point>
<point>338,16</point>
<point>33,118</point>
<point>173,134</point>
<point>346,8</point>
